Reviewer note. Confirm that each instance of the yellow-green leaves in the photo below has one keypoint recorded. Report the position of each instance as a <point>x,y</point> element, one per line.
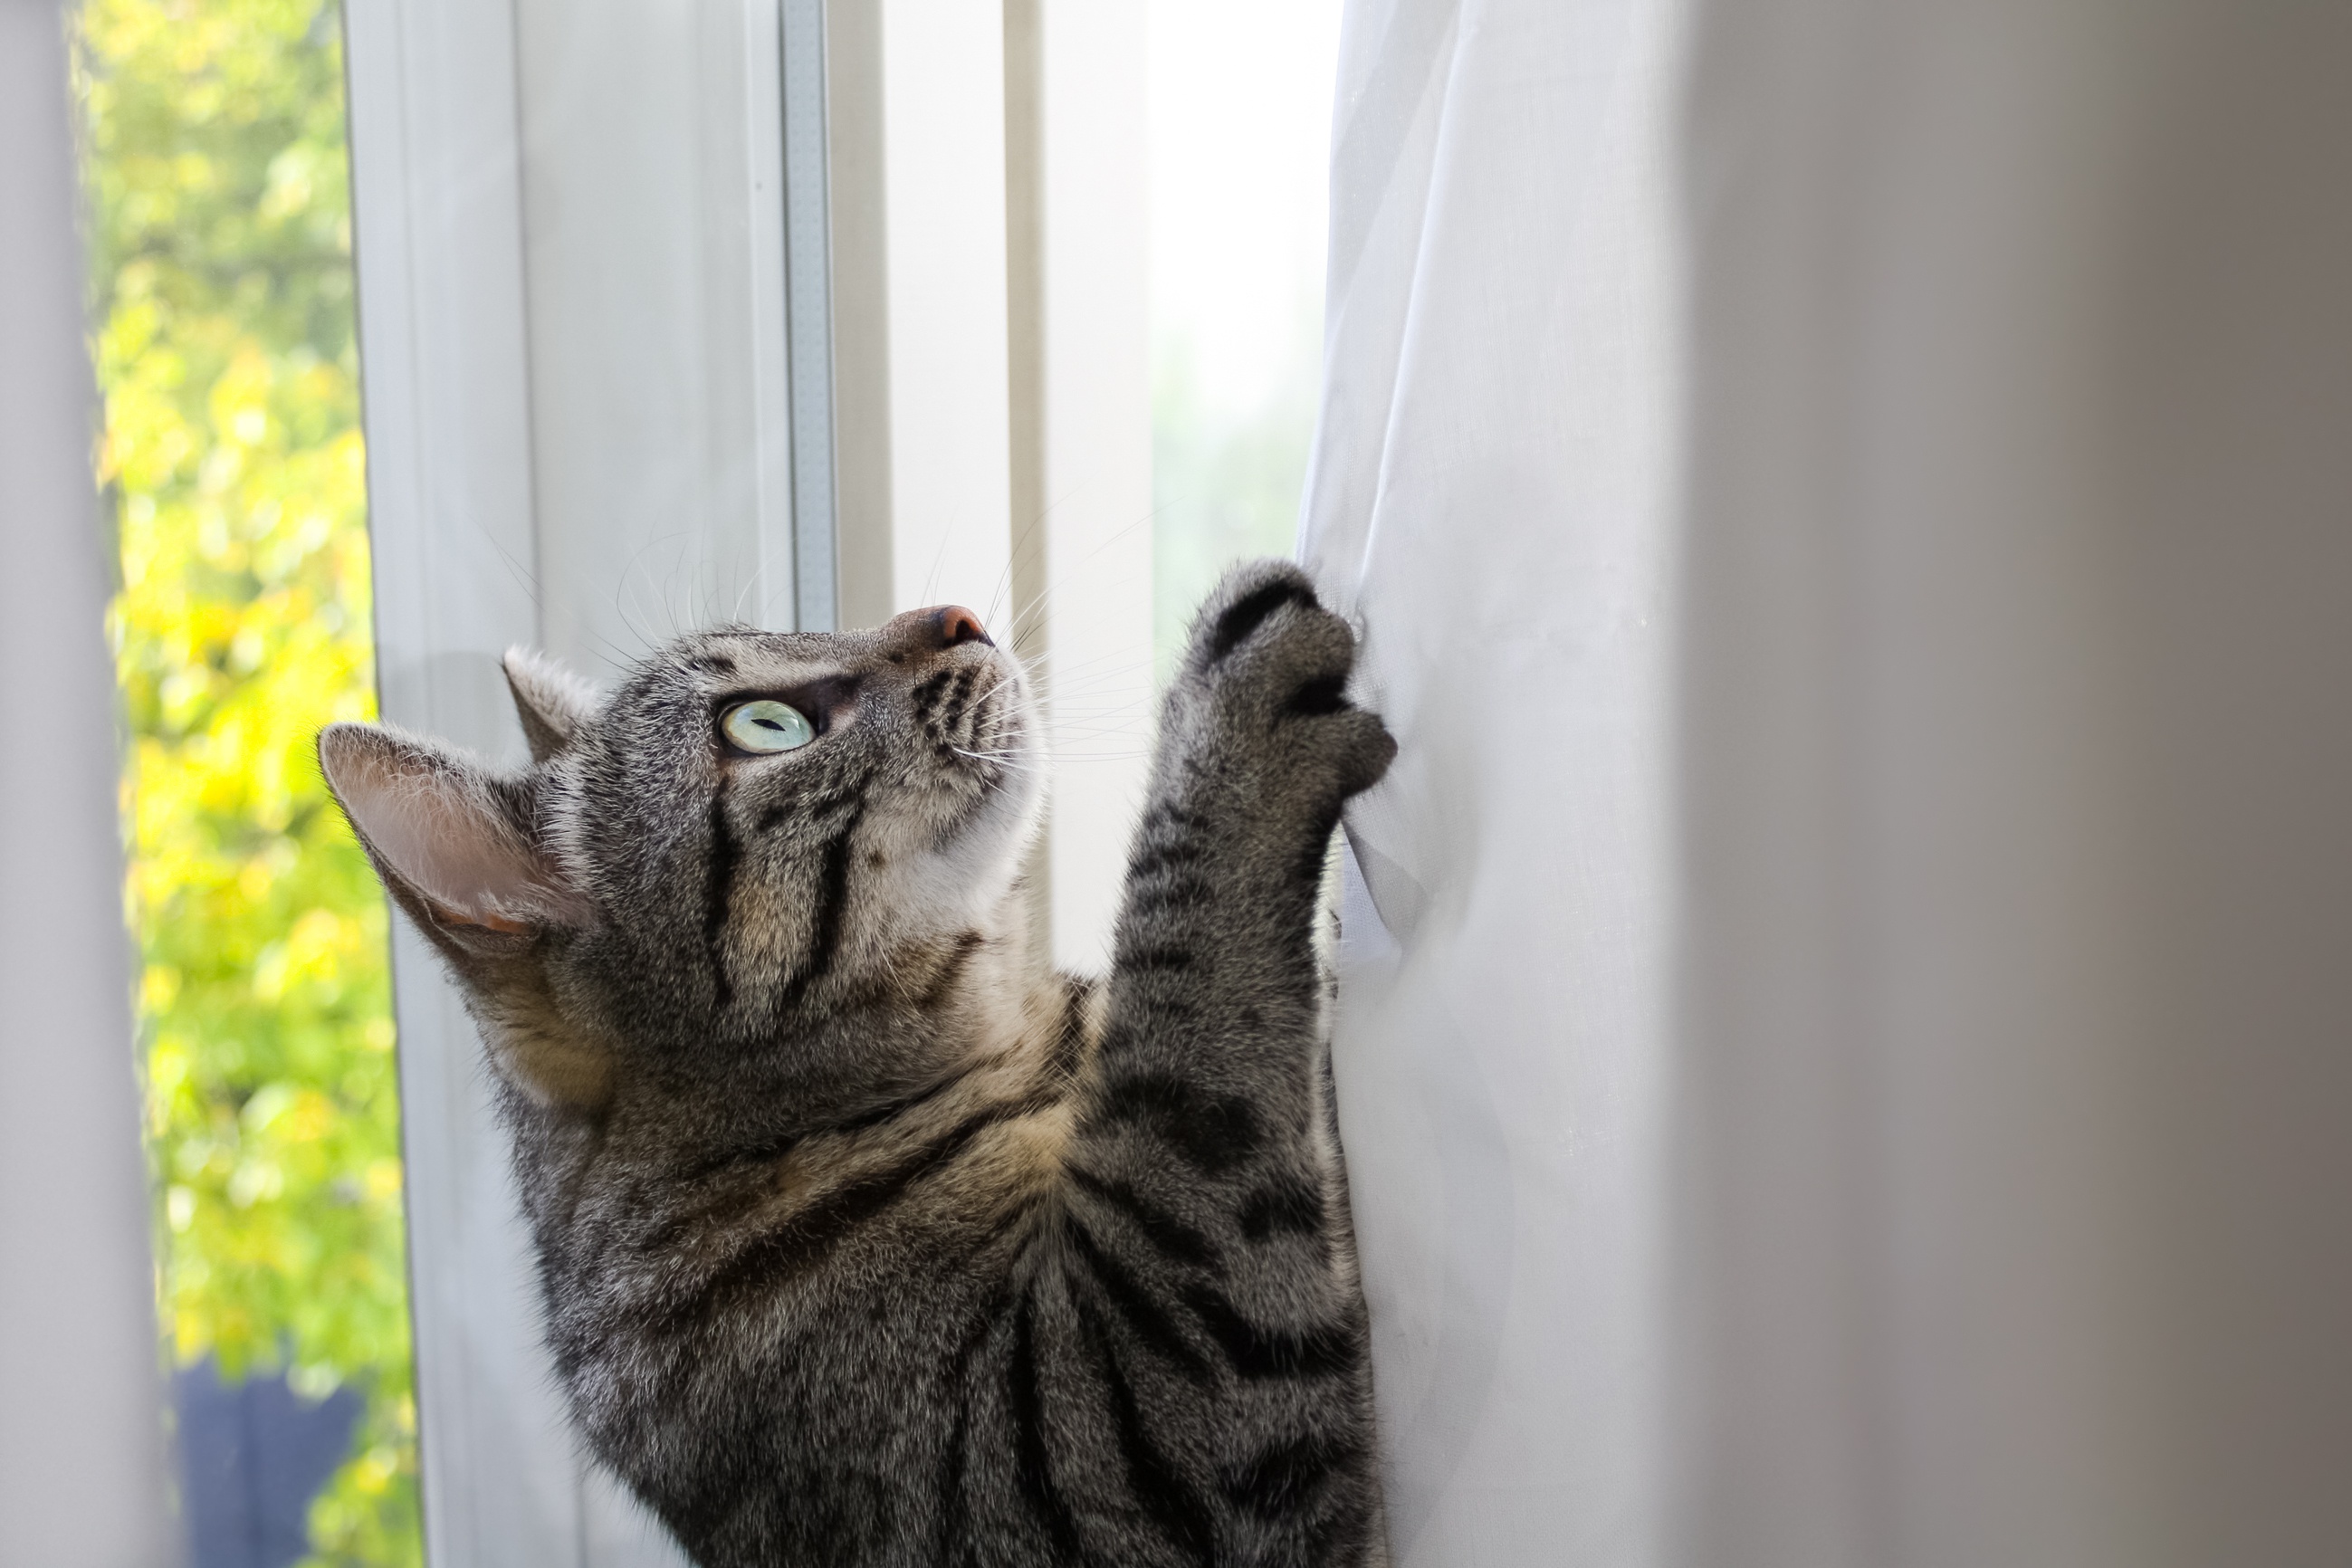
<point>219,231</point>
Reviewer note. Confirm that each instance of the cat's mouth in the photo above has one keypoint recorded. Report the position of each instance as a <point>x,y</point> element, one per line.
<point>972,714</point>
<point>998,751</point>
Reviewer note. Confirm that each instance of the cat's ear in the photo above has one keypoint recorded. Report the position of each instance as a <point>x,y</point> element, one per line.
<point>452,840</point>
<point>552,701</point>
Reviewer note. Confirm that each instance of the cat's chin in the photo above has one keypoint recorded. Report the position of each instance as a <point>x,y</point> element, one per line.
<point>1011,805</point>
<point>958,880</point>
<point>999,828</point>
<point>1002,757</point>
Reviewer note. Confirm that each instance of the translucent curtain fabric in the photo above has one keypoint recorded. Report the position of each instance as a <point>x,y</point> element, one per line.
<point>1492,495</point>
<point>1845,1029</point>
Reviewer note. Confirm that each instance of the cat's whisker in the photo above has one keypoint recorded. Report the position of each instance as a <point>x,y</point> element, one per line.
<point>1047,666</point>
<point>1029,618</point>
<point>1029,541</point>
<point>749,582</point>
<point>1009,765</point>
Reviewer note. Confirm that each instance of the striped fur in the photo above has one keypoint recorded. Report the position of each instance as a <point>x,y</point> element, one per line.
<point>864,1237</point>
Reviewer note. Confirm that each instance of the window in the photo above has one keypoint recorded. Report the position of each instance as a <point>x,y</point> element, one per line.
<point>769,311</point>
<point>220,261</point>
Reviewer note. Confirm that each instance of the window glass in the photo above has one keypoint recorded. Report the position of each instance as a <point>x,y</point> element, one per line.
<point>1241,115</point>
<point>219,240</point>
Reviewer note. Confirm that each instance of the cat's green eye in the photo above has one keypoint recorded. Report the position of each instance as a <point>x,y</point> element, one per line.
<point>765,725</point>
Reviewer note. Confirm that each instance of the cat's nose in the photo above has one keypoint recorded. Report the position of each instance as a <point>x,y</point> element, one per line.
<point>953,624</point>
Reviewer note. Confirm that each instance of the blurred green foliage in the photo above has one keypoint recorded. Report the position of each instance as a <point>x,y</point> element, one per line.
<point>220,233</point>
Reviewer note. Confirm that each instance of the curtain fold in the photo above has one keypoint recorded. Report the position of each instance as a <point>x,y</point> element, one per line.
<point>1845,1030</point>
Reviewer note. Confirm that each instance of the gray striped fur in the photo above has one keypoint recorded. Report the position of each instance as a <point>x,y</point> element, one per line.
<point>864,1237</point>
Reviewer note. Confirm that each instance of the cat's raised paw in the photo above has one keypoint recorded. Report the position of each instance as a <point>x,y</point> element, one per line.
<point>1267,673</point>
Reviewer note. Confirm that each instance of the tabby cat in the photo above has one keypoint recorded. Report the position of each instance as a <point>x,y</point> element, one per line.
<point>863,1237</point>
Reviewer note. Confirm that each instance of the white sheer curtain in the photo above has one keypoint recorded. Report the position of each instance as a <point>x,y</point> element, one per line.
<point>1846,1029</point>
<point>1492,493</point>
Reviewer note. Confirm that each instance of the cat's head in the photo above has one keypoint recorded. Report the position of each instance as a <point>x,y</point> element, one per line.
<point>755,830</point>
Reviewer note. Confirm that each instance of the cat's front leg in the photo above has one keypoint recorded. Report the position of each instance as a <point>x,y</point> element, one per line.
<point>1210,1036</point>
<point>1259,748</point>
<point>1200,1277</point>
